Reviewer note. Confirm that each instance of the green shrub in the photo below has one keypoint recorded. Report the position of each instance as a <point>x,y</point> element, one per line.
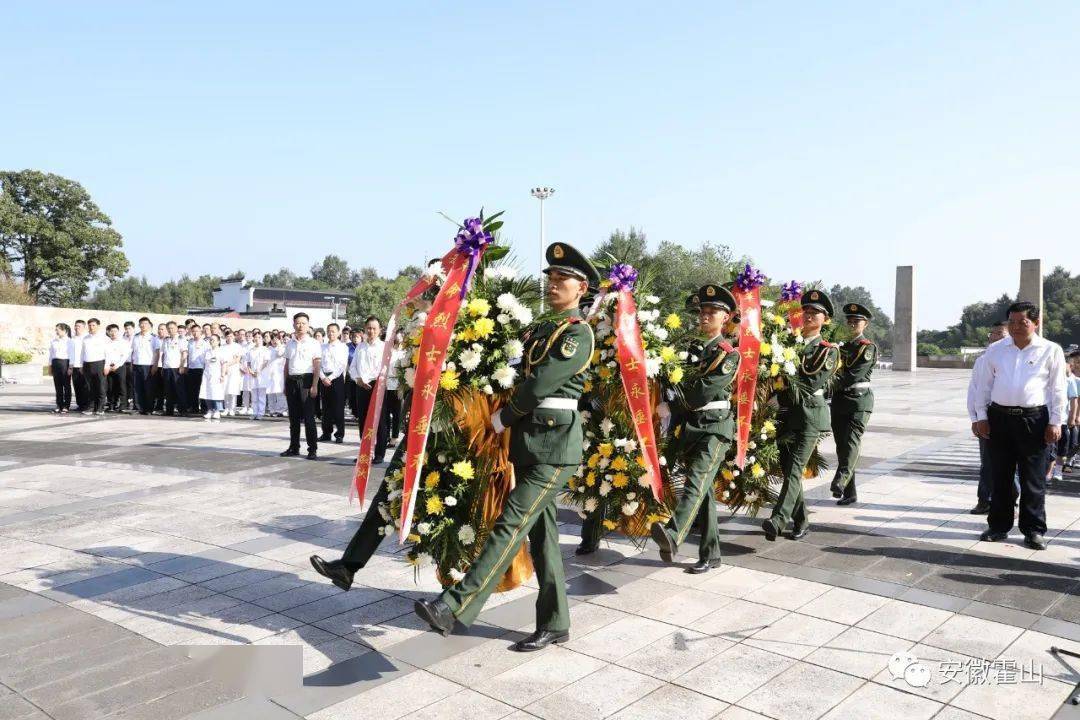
<point>925,348</point>
<point>15,357</point>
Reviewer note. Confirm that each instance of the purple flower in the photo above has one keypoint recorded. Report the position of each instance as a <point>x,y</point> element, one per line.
<point>791,291</point>
<point>749,279</point>
<point>471,239</point>
<point>622,277</point>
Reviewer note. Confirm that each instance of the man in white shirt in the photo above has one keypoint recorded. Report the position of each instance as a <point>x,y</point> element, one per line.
<point>117,359</point>
<point>982,505</point>
<point>303,358</point>
<point>75,367</point>
<point>93,360</point>
<point>335,361</point>
<point>129,371</point>
<point>173,366</point>
<point>393,400</point>
<point>197,345</point>
<point>364,369</point>
<point>1019,404</point>
<point>145,356</point>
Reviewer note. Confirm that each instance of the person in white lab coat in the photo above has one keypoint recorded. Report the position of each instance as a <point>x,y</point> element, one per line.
<point>234,383</point>
<point>256,359</point>
<point>215,362</point>
<point>274,380</point>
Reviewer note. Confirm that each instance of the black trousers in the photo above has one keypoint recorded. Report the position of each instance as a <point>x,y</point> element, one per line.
<point>129,382</point>
<point>192,385</point>
<point>1018,441</point>
<point>175,392</point>
<point>333,408</point>
<point>350,395</point>
<point>301,408</point>
<point>78,387</point>
<point>61,384</point>
<point>144,388</point>
<point>366,540</point>
<point>392,412</point>
<point>157,400</point>
<point>363,399</point>
<point>117,381</point>
<point>94,372</point>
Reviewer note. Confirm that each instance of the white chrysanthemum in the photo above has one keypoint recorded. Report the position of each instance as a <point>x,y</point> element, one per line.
<point>630,508</point>
<point>631,496</point>
<point>488,390</point>
<point>663,461</point>
<point>504,375</point>
<point>652,299</point>
<point>466,535</point>
<point>603,329</point>
<point>725,495</point>
<point>606,426</point>
<point>500,272</point>
<point>384,512</point>
<point>423,528</point>
<point>456,575</point>
<point>604,462</point>
<point>435,271</point>
<point>394,495</point>
<point>441,457</point>
<point>514,349</point>
<point>507,302</point>
<point>450,501</point>
<point>605,488</point>
<point>683,355</point>
<point>631,446</point>
<point>591,504</point>
<point>470,360</point>
<point>652,367</point>
<point>643,481</point>
<point>410,376</point>
<point>751,497</point>
<point>661,333</point>
<point>502,318</point>
<point>522,314</point>
<point>423,559</point>
<point>388,529</point>
<point>789,368</point>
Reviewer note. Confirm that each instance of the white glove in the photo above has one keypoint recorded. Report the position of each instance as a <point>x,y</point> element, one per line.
<point>497,423</point>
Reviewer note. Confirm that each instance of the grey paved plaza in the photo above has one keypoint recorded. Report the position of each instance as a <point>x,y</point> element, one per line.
<point>130,544</point>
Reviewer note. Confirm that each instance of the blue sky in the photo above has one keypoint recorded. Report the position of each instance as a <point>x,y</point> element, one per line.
<point>829,141</point>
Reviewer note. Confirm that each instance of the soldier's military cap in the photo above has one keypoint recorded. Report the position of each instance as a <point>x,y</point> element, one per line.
<point>715,296</point>
<point>819,300</point>
<point>692,301</point>
<point>567,259</point>
<point>857,311</point>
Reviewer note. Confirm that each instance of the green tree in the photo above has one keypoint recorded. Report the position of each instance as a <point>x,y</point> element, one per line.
<point>333,273</point>
<point>174,296</point>
<point>880,329</point>
<point>55,238</point>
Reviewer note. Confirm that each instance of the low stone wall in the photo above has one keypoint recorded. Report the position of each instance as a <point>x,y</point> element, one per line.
<point>957,362</point>
<point>30,327</point>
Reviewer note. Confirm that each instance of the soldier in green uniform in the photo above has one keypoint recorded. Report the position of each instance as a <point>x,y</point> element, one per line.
<point>707,430</point>
<point>803,416</point>
<point>852,402</point>
<point>545,448</point>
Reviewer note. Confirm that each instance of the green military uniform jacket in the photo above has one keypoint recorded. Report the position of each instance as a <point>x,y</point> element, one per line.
<point>557,353</point>
<point>852,392</point>
<point>716,371</point>
<point>802,404</point>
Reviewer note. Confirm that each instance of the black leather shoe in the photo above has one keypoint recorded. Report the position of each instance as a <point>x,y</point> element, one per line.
<point>848,500</point>
<point>663,540</point>
<point>835,488</point>
<point>312,455</point>
<point>1035,541</point>
<point>339,440</point>
<point>991,536</point>
<point>334,570</point>
<point>980,509</point>
<point>585,548</point>
<point>770,530</point>
<point>703,566</point>
<point>324,438</point>
<point>436,614</point>
<point>798,533</point>
<point>540,640</point>
<point>290,453</point>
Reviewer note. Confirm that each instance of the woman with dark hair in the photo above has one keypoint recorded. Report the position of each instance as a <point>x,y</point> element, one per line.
<point>59,360</point>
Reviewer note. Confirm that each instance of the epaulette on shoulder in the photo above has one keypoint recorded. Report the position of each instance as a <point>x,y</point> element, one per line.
<point>726,346</point>
<point>864,341</point>
<point>826,343</point>
<point>574,320</point>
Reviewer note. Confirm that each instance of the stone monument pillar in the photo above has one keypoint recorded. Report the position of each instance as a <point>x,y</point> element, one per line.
<point>1031,285</point>
<point>904,345</point>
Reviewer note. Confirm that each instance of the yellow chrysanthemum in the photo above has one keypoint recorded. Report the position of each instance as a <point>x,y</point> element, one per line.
<point>727,474</point>
<point>590,479</point>
<point>478,307</point>
<point>413,537</point>
<point>653,518</point>
<point>432,480</point>
<point>756,470</point>
<point>667,353</point>
<point>768,427</point>
<point>778,319</point>
<point>778,384</point>
<point>619,464</point>
<point>673,321</point>
<point>620,480</point>
<point>609,340</point>
<point>467,335</point>
<point>434,505</point>
<point>463,469</point>
<point>605,373</point>
<point>765,349</point>
<point>676,375</point>
<point>774,370</point>
<point>610,524</point>
<point>449,380</point>
<point>483,327</point>
<point>595,359</point>
<point>572,484</point>
<point>641,461</point>
<point>587,386</point>
<point>789,354</point>
<point>594,460</point>
<point>605,449</point>
<point>416,357</point>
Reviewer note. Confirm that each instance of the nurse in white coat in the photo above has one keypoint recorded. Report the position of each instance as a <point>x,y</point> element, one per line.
<point>234,379</point>
<point>257,360</point>
<point>213,379</point>
<point>275,379</point>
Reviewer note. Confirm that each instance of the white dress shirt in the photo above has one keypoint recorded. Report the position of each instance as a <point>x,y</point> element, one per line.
<point>1030,377</point>
<point>143,348</point>
<point>366,360</point>
<point>973,413</point>
<point>172,352</point>
<point>397,357</point>
<point>75,350</point>
<point>93,347</point>
<point>58,348</point>
<point>117,352</point>
<point>195,351</point>
<point>335,360</point>
<point>301,354</point>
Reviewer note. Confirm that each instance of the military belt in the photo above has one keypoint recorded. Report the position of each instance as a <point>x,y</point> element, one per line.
<point>554,403</point>
<point>715,405</point>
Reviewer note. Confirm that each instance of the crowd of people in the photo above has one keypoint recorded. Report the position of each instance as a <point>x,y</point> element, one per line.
<point>211,370</point>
